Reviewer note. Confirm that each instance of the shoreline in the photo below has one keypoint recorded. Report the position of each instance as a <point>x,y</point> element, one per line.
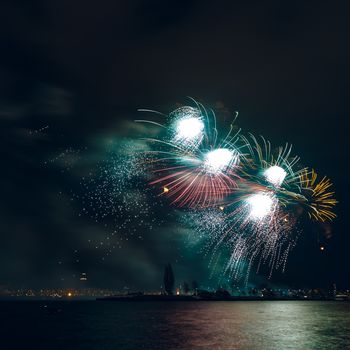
<point>166,298</point>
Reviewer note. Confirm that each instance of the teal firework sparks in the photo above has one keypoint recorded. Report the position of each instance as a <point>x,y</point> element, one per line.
<point>241,194</point>
<point>191,165</point>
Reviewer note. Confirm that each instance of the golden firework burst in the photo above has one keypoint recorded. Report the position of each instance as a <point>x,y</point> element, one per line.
<point>321,200</point>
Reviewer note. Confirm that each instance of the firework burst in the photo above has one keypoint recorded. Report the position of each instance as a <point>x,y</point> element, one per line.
<point>242,193</point>
<point>321,200</point>
<point>191,166</point>
<point>265,228</point>
<point>271,167</point>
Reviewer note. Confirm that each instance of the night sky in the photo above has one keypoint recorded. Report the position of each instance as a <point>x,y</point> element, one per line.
<point>74,73</point>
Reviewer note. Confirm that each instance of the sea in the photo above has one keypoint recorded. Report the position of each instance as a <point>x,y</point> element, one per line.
<point>105,325</point>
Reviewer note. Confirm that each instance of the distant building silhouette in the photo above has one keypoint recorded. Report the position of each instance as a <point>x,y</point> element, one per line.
<point>195,287</point>
<point>186,287</point>
<point>169,280</point>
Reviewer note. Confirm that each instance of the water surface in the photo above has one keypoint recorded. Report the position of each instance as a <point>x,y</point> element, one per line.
<point>175,325</point>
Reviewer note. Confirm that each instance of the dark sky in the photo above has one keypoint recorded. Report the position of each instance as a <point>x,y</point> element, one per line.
<point>72,75</point>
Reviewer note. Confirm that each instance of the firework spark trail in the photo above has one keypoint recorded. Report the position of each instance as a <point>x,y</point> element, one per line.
<point>115,193</point>
<point>261,225</point>
<point>321,201</point>
<point>262,160</point>
<point>266,240</point>
<point>205,172</point>
<point>255,236</point>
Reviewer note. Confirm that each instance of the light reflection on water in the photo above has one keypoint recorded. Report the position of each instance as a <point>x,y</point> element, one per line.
<point>189,325</point>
